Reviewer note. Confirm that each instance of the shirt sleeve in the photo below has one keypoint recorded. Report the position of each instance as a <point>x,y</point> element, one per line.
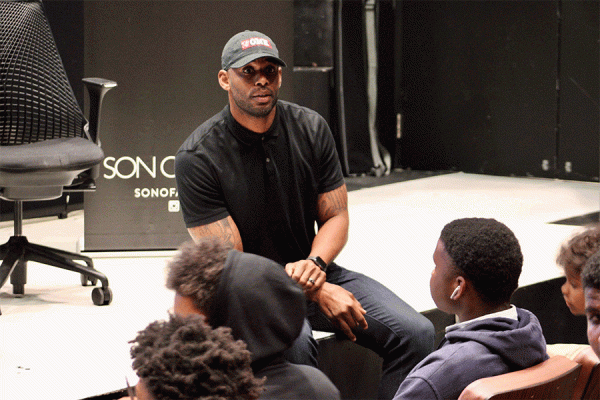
<point>331,176</point>
<point>198,189</point>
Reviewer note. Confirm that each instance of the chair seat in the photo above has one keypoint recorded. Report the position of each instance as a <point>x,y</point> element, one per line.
<point>60,154</point>
<point>40,170</point>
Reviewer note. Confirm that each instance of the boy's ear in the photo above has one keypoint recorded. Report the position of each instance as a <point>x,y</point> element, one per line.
<point>223,78</point>
<point>459,289</point>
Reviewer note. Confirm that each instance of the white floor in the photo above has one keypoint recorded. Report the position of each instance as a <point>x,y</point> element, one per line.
<point>55,344</point>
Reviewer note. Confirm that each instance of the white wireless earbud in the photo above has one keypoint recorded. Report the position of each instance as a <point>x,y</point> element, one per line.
<point>453,295</point>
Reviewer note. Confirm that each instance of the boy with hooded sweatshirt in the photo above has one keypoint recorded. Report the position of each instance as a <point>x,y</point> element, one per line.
<point>261,304</point>
<point>477,267</point>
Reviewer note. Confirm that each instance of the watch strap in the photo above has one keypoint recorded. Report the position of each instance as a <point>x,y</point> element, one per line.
<point>319,261</point>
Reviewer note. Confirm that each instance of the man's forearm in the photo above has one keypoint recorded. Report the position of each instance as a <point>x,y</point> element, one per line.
<point>331,238</point>
<point>332,212</point>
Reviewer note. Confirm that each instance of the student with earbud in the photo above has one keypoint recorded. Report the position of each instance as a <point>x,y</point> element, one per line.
<point>477,267</point>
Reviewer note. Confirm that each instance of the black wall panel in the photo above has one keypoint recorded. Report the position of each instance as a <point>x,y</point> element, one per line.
<point>314,60</point>
<point>479,86</point>
<point>579,127</point>
<point>316,91</point>
<point>387,105</point>
<point>331,33</point>
<point>354,81</point>
<point>314,33</point>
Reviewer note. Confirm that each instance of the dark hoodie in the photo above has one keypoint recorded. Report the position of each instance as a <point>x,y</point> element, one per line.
<point>486,347</point>
<point>266,309</point>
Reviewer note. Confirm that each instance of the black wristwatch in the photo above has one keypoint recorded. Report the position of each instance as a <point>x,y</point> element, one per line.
<point>319,261</point>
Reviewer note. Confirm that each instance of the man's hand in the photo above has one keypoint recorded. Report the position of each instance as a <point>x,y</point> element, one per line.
<point>341,307</point>
<point>307,274</point>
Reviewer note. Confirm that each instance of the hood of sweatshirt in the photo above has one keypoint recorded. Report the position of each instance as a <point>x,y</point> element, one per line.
<point>520,343</point>
<point>261,304</point>
<point>470,351</point>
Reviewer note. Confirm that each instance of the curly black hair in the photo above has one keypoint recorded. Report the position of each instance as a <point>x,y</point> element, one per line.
<point>487,253</point>
<point>590,275</point>
<point>184,358</point>
<point>196,269</point>
<point>575,251</point>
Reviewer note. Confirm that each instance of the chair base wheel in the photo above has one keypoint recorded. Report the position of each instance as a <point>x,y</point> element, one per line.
<point>101,296</point>
<point>18,290</point>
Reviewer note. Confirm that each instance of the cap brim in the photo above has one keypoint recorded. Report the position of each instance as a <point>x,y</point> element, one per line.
<point>251,57</point>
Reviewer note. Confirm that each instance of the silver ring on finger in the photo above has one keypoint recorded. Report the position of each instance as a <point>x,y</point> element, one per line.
<point>311,280</point>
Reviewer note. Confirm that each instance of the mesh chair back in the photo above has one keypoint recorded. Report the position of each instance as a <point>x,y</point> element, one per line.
<point>36,100</point>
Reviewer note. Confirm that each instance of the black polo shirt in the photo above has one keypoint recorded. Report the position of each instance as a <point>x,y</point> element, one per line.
<point>268,182</point>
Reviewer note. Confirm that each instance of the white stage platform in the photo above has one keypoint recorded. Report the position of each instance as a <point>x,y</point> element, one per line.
<point>55,344</point>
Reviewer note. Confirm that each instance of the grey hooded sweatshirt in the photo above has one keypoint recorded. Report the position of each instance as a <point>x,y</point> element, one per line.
<point>486,347</point>
<point>266,309</point>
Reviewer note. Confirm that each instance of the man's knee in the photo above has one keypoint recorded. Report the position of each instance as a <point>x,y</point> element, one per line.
<point>423,335</point>
<point>415,335</point>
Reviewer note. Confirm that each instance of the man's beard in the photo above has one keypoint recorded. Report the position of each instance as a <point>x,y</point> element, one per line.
<point>255,111</point>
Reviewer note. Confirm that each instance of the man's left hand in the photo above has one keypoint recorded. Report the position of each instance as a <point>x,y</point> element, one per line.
<point>307,274</point>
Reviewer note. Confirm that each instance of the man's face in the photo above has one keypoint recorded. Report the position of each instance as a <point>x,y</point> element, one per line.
<point>254,88</point>
<point>592,313</point>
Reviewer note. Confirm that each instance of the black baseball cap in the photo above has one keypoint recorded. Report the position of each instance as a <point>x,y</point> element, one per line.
<point>246,47</point>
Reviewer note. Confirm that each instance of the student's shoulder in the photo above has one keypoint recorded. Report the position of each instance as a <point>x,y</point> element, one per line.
<point>443,372</point>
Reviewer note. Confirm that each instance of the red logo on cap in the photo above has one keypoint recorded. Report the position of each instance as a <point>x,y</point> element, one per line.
<point>255,41</point>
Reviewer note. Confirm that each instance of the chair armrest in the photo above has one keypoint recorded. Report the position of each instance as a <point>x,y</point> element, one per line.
<point>97,88</point>
<point>554,378</point>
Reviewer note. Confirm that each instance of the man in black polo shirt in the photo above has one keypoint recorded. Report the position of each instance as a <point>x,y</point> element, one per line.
<point>259,174</point>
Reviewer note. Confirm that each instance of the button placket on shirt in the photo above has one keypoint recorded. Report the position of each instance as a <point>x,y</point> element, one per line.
<point>269,165</point>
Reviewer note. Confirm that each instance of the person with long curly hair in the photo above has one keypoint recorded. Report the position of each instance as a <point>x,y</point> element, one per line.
<point>183,358</point>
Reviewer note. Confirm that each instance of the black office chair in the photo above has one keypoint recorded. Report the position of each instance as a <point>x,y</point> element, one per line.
<point>46,145</point>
